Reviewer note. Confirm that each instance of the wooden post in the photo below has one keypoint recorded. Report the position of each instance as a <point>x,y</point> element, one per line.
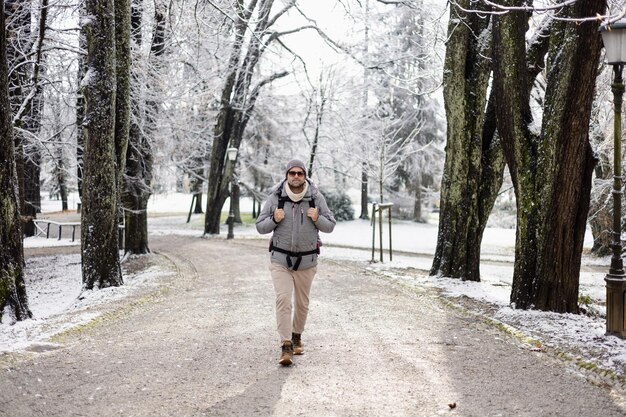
<point>373,230</point>
<point>382,207</point>
<point>193,200</point>
<point>380,231</point>
<point>390,249</point>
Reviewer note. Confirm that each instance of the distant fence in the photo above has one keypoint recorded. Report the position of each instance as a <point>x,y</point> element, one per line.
<point>44,228</point>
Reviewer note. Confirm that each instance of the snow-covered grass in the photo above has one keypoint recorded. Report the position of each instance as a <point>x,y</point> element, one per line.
<point>56,299</point>
<point>580,337</point>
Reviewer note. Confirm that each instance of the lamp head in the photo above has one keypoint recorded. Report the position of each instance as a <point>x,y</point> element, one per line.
<point>231,154</point>
<point>614,39</point>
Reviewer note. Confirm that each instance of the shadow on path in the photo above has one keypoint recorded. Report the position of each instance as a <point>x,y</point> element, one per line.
<point>259,398</point>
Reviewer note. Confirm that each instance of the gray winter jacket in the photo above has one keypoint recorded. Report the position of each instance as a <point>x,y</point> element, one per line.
<point>296,233</point>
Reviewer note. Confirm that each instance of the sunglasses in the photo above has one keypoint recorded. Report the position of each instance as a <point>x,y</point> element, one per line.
<point>296,173</point>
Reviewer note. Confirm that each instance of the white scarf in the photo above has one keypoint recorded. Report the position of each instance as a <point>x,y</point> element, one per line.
<point>296,197</point>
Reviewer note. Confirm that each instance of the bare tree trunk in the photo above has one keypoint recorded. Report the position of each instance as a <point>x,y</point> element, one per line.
<point>28,116</point>
<point>236,195</point>
<point>417,205</point>
<point>137,192</point>
<point>366,71</point>
<point>237,102</point>
<point>13,299</point>
<point>551,172</point>
<point>99,226</point>
<point>319,116</point>
<point>62,185</point>
<point>364,192</point>
<point>81,133</point>
<point>474,161</point>
<point>600,216</point>
<point>32,191</point>
<point>123,61</point>
<point>136,227</point>
<point>197,209</point>
<point>32,164</point>
<point>197,173</point>
<point>19,44</point>
<point>139,161</point>
<point>216,193</point>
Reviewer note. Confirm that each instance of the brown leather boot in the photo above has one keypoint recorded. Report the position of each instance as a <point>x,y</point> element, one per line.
<point>298,346</point>
<point>286,357</point>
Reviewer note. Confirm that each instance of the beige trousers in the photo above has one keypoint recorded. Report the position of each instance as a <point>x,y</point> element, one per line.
<point>292,298</point>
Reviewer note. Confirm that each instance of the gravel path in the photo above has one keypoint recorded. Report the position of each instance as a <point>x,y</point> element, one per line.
<point>205,345</point>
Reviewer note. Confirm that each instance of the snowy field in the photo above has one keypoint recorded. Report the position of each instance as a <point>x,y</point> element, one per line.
<point>53,283</point>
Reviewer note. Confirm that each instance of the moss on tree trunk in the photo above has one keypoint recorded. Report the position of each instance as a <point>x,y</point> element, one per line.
<point>551,171</point>
<point>99,221</point>
<point>474,162</point>
<point>13,299</point>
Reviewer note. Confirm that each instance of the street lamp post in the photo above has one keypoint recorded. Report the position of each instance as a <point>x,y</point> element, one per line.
<point>614,38</point>
<point>231,154</point>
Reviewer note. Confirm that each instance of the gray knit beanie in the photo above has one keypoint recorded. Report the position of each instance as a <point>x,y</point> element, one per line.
<point>295,163</point>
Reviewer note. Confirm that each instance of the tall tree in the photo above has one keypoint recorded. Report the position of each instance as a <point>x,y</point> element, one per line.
<point>19,43</point>
<point>238,97</point>
<point>29,119</point>
<point>364,99</point>
<point>99,226</point>
<point>474,161</point>
<point>58,153</point>
<point>316,104</point>
<point>25,53</point>
<point>403,81</point>
<point>139,160</point>
<point>13,299</point>
<point>122,95</point>
<point>81,133</point>
<point>551,169</point>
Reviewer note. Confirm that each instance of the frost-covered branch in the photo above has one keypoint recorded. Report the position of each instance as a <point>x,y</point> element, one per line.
<point>530,8</point>
<point>550,9</point>
<point>36,87</point>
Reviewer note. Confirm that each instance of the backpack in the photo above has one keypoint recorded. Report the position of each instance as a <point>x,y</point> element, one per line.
<point>298,255</point>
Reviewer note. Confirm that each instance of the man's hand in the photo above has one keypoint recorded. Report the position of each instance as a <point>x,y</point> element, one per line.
<point>313,213</point>
<point>279,215</point>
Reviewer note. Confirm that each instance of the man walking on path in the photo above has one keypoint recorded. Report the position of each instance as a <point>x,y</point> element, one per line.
<point>295,212</point>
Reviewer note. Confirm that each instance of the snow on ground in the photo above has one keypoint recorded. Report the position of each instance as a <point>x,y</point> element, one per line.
<point>413,244</point>
<point>56,299</point>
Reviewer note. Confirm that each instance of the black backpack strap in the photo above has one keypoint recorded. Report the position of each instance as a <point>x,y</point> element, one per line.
<point>279,194</point>
<point>282,200</point>
<point>297,264</point>
<point>297,255</point>
<point>313,194</point>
